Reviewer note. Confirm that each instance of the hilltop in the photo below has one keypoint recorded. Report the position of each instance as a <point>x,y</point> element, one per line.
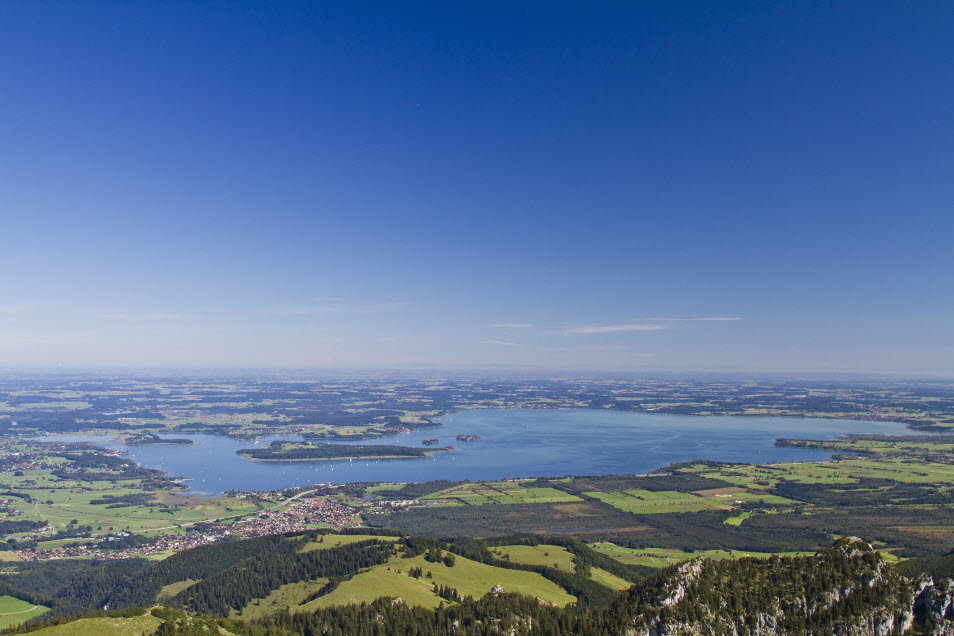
<point>386,583</point>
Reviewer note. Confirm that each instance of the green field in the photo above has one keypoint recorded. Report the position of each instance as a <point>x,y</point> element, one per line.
<point>556,557</point>
<point>288,596</point>
<point>609,580</point>
<point>382,489</point>
<point>652,557</point>
<point>145,624</point>
<point>68,505</point>
<point>503,492</point>
<point>60,501</point>
<point>13,611</point>
<point>661,557</point>
<point>466,576</point>
<point>174,588</point>
<point>843,472</point>
<point>653,502</point>
<point>550,555</point>
<point>334,540</point>
<point>377,582</point>
<point>738,519</point>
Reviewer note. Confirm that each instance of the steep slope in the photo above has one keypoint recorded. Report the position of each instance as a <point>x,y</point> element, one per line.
<point>846,589</point>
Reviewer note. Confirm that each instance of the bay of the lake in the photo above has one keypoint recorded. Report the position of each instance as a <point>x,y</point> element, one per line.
<point>513,443</point>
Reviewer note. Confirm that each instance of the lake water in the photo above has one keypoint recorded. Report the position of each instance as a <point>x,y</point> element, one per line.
<point>514,443</point>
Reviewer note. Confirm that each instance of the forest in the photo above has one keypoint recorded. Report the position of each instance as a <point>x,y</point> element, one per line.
<point>845,588</point>
<point>284,451</point>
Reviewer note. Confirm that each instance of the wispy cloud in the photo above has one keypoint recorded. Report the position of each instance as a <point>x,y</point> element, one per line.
<point>512,325</point>
<point>617,348</point>
<point>56,338</point>
<point>502,343</point>
<point>290,311</point>
<point>333,307</point>
<point>719,318</point>
<point>29,340</point>
<point>15,309</point>
<point>645,324</point>
<point>591,329</point>
<point>155,316</point>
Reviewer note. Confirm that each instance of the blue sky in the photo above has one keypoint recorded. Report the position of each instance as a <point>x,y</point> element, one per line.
<point>548,185</point>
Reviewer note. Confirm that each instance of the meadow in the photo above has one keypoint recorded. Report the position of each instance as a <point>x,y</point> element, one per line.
<point>500,492</point>
<point>13,611</point>
<point>145,624</point>
<point>466,576</point>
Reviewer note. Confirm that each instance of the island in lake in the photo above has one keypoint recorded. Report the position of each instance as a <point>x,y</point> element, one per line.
<point>279,451</point>
<point>431,442</point>
<point>147,439</point>
<point>468,438</point>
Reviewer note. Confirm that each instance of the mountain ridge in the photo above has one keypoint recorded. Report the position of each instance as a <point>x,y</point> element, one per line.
<point>846,589</point>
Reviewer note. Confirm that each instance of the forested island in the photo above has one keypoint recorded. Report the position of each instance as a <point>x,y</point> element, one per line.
<point>467,438</point>
<point>147,439</point>
<point>279,451</point>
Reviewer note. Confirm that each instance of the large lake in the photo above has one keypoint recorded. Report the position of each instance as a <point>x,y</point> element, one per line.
<point>514,443</point>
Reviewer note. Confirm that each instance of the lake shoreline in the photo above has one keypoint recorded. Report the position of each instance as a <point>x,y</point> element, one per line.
<point>514,443</point>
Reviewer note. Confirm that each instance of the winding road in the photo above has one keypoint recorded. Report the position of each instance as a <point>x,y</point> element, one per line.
<point>20,612</point>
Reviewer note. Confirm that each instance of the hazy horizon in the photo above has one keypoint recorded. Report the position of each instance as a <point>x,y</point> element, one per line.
<point>505,374</point>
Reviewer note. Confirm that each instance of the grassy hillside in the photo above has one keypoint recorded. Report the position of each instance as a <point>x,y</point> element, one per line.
<point>257,580</point>
<point>661,557</point>
<point>609,580</point>
<point>847,588</point>
<point>172,589</point>
<point>377,582</point>
<point>14,611</point>
<point>557,557</point>
<point>468,577</point>
<point>106,626</point>
<point>327,541</point>
<point>289,596</point>
<point>544,554</point>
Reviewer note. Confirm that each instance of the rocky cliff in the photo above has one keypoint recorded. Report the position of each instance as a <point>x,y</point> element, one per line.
<point>847,589</point>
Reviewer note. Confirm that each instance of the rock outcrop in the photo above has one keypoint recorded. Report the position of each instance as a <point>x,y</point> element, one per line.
<point>847,589</point>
